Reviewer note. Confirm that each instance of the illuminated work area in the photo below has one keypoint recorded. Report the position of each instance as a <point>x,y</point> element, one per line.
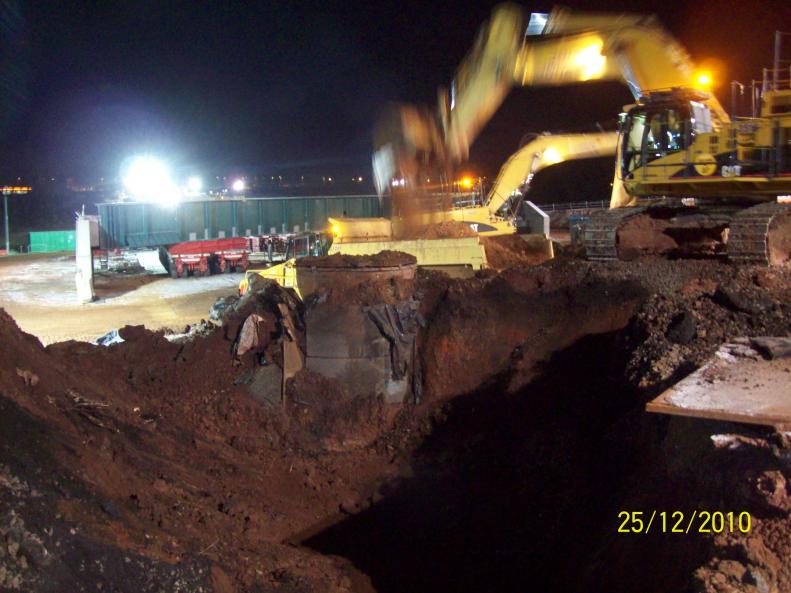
<point>376,298</point>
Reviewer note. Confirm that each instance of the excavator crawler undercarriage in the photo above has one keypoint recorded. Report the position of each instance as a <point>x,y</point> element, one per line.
<point>758,234</point>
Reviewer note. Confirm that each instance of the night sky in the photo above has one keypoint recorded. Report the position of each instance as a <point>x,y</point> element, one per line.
<point>266,86</point>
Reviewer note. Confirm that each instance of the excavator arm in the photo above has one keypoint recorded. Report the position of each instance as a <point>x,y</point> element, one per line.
<point>544,151</point>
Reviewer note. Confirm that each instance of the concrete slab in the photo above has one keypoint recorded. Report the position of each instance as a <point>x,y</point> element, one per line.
<point>362,376</point>
<point>343,332</point>
<point>738,385</point>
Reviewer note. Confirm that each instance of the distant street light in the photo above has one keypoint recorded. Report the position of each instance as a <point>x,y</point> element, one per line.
<point>238,185</point>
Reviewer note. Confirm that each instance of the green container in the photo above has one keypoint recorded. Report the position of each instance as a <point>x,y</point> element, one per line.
<point>135,224</point>
<point>47,241</point>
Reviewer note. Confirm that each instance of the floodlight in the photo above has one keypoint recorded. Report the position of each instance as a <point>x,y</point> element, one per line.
<point>194,184</point>
<point>148,178</point>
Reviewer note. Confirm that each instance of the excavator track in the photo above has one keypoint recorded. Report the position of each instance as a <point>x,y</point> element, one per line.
<point>748,238</point>
<point>601,233</point>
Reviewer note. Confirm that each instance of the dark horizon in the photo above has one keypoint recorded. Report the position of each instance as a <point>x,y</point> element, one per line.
<point>264,87</point>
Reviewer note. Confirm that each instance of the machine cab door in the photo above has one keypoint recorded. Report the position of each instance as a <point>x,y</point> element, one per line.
<point>649,135</point>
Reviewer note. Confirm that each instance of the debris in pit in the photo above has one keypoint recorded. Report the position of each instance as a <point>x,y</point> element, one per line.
<point>108,339</point>
<point>255,334</point>
<point>747,300</point>
<point>683,328</point>
<point>772,348</point>
<point>202,328</point>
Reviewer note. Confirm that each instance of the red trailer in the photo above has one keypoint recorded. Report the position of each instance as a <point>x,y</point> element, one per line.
<point>202,258</point>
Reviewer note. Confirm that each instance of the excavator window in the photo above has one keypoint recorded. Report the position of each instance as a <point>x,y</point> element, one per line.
<point>652,135</point>
<point>633,132</point>
<point>676,131</point>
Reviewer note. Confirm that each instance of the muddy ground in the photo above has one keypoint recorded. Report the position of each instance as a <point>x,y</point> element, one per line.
<point>146,466</point>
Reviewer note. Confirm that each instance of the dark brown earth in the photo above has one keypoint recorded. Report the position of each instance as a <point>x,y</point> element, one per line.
<point>338,260</point>
<point>146,466</point>
<point>448,229</point>
<point>507,251</point>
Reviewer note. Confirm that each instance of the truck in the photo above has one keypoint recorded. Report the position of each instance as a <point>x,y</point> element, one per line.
<point>456,256</point>
<point>227,255</point>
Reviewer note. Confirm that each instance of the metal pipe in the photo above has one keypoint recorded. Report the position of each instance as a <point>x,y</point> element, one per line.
<point>5,216</point>
<point>734,85</point>
<point>776,65</point>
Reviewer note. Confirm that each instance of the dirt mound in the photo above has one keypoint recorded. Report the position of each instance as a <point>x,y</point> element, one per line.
<point>448,229</point>
<point>482,327</point>
<point>658,233</point>
<point>149,464</point>
<point>709,314</point>
<point>382,259</point>
<point>155,456</point>
<point>506,251</point>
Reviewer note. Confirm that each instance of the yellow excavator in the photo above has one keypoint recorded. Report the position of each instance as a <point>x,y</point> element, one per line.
<point>687,178</point>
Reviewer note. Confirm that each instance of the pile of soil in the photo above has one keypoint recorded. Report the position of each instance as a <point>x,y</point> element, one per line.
<point>695,236</point>
<point>368,286</point>
<point>448,229</point>
<point>147,465</point>
<point>506,251</point>
<point>674,334</point>
<point>383,259</point>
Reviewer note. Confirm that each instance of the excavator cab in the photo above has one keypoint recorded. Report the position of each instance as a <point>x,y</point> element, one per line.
<point>308,243</point>
<point>657,128</point>
<point>650,135</point>
<point>299,246</point>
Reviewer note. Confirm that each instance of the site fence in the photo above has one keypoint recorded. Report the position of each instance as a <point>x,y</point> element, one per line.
<point>563,206</point>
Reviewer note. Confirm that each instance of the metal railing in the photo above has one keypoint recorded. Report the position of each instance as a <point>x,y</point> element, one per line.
<point>563,206</point>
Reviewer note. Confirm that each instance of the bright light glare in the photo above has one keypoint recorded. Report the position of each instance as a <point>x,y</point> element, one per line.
<point>194,184</point>
<point>466,182</point>
<point>703,79</point>
<point>551,156</point>
<point>238,185</point>
<point>148,178</point>
<point>590,61</point>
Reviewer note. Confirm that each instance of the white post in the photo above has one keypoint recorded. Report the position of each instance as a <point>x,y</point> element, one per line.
<point>84,259</point>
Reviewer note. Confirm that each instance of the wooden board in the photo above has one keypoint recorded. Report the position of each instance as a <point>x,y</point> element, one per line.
<point>736,385</point>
